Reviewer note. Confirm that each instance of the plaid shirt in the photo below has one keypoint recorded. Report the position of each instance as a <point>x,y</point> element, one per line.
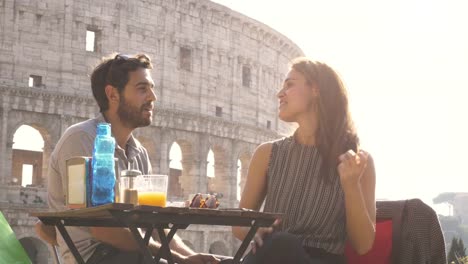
<point>417,236</point>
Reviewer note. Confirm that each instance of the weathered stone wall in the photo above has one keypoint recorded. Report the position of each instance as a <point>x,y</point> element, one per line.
<point>48,38</point>
<point>33,158</point>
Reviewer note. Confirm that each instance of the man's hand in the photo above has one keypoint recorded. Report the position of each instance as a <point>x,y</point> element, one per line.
<point>199,259</point>
<point>262,232</point>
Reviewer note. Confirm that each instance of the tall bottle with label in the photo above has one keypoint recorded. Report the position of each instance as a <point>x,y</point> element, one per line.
<point>103,178</point>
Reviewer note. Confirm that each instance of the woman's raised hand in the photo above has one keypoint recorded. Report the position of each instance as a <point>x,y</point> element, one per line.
<point>351,167</point>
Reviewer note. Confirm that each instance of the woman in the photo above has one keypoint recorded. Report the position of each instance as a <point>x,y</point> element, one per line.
<point>317,178</point>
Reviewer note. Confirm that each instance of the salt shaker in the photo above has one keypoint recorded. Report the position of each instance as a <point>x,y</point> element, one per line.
<point>128,191</point>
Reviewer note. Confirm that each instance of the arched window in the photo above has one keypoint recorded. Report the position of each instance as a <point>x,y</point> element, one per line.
<point>174,191</point>
<point>239,178</point>
<point>28,138</point>
<point>175,155</point>
<point>210,170</point>
<point>28,146</point>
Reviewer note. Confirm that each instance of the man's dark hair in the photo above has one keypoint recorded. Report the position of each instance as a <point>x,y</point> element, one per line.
<point>114,71</point>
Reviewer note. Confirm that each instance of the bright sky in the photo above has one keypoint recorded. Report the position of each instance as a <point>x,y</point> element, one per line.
<point>405,63</point>
<point>28,138</point>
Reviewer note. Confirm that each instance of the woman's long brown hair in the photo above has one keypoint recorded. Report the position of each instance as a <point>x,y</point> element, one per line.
<point>336,133</point>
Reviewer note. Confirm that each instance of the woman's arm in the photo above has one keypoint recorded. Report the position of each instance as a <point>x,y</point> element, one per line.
<point>256,185</point>
<point>357,174</point>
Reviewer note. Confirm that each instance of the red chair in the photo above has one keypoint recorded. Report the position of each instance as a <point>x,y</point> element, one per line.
<point>407,232</point>
<point>381,250</point>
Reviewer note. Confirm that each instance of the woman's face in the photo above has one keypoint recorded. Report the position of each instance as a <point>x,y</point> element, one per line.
<point>296,97</point>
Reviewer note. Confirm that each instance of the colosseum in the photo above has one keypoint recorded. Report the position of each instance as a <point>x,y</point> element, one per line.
<point>216,73</point>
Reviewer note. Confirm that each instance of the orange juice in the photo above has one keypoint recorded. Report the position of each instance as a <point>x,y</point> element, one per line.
<point>152,198</point>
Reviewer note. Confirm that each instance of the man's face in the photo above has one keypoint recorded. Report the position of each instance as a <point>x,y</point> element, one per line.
<point>136,101</point>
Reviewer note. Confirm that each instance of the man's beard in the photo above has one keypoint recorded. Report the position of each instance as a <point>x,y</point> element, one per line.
<point>131,116</point>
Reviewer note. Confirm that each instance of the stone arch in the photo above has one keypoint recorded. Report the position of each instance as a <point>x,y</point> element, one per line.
<point>175,191</point>
<point>188,166</point>
<point>175,155</point>
<point>242,151</point>
<point>222,167</point>
<point>188,178</point>
<point>43,124</point>
<point>218,248</point>
<point>36,249</point>
<point>210,162</point>
<point>151,147</point>
<point>26,160</point>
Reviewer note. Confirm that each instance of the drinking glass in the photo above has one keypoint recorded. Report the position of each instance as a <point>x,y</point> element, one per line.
<point>152,189</point>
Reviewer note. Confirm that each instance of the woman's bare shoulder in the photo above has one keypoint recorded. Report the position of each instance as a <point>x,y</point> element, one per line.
<point>262,153</point>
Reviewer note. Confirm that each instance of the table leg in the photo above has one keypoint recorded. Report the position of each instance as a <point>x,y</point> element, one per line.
<point>148,258</point>
<point>245,243</point>
<point>69,242</point>
<point>148,233</point>
<point>170,235</point>
<point>165,240</point>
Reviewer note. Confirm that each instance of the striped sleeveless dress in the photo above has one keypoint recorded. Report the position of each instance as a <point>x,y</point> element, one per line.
<point>312,209</point>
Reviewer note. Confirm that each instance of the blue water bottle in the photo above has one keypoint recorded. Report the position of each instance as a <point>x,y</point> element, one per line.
<point>103,178</point>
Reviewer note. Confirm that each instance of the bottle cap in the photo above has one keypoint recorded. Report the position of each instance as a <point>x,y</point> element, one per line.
<point>103,129</point>
<point>130,173</point>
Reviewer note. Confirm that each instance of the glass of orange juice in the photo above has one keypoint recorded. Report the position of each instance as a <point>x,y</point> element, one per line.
<point>152,189</point>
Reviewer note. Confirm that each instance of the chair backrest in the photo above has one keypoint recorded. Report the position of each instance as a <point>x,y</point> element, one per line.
<point>381,251</point>
<point>387,237</point>
<point>393,210</point>
<point>416,234</point>
<point>11,249</point>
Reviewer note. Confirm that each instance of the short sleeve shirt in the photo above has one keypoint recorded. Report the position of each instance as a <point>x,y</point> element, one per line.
<point>78,140</point>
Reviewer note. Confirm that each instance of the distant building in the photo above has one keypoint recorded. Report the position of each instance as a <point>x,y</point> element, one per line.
<point>455,225</point>
<point>460,207</point>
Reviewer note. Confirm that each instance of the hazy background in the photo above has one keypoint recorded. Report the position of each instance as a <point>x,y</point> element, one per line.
<point>405,63</point>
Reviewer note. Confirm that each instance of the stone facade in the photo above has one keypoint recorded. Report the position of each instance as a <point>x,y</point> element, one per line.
<point>216,73</point>
<point>33,158</point>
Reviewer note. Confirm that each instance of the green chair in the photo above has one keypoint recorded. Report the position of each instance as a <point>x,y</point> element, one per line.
<point>11,250</point>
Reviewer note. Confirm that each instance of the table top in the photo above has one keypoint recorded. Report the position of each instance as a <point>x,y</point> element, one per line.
<point>112,214</point>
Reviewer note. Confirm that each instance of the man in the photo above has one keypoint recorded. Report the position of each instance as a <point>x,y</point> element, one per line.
<point>124,91</point>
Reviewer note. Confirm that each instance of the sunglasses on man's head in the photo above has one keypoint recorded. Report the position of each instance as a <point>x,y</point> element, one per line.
<point>118,59</point>
<point>122,57</point>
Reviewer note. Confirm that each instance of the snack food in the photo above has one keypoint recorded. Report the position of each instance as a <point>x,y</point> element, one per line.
<point>209,201</point>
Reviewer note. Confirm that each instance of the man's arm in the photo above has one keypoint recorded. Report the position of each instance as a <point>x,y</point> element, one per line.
<point>176,244</point>
<point>120,238</point>
<point>123,239</point>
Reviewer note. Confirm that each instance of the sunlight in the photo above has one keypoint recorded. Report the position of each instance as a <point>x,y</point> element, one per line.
<point>210,171</point>
<point>28,138</point>
<point>27,175</point>
<point>175,157</point>
<point>90,40</point>
<point>239,175</point>
<point>404,64</point>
